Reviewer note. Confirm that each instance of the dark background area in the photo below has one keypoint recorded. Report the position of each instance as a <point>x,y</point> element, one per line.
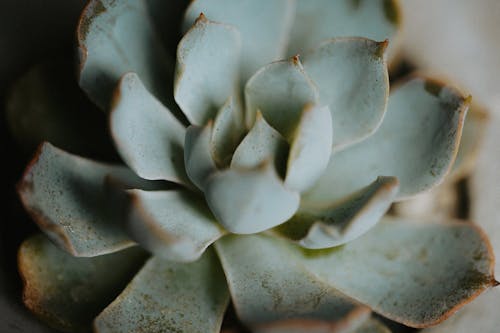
<point>30,32</point>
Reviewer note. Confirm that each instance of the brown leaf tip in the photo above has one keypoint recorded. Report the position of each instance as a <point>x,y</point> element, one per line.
<point>201,18</point>
<point>381,48</point>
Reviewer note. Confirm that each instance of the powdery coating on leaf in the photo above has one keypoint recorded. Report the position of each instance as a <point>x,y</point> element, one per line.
<point>271,290</point>
<point>198,154</point>
<point>250,200</point>
<point>264,26</point>
<point>206,73</point>
<point>319,20</point>
<point>148,137</point>
<point>352,79</point>
<point>174,225</point>
<point>310,148</point>
<point>355,320</point>
<point>68,292</point>
<point>280,91</point>
<point>262,143</point>
<point>170,297</point>
<point>417,143</point>
<point>318,228</point>
<point>66,196</point>
<point>227,132</point>
<point>416,274</point>
<point>115,37</point>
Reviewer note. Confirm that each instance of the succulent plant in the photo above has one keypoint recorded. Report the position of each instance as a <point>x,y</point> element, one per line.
<point>260,179</point>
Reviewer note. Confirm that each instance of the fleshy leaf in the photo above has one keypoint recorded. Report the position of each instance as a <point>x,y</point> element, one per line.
<point>227,132</point>
<point>116,37</point>
<point>263,143</point>
<point>264,26</point>
<point>479,316</point>
<point>170,297</point>
<point>68,292</point>
<point>417,143</point>
<point>67,197</point>
<point>319,20</point>
<point>310,148</point>
<point>271,291</point>
<point>412,272</point>
<point>149,138</point>
<point>171,224</point>
<point>198,156</point>
<point>280,91</point>
<point>351,75</point>
<point>206,75</point>
<point>316,228</point>
<point>250,200</point>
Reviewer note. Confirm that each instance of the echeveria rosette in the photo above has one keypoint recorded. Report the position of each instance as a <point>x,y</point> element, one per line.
<point>305,154</point>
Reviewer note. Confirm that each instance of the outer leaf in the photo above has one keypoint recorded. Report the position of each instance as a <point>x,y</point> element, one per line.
<point>206,75</point>
<point>115,37</point>
<point>417,274</point>
<point>351,75</point>
<point>319,20</point>
<point>198,154</point>
<point>479,316</point>
<point>272,292</point>
<point>67,197</point>
<point>250,200</point>
<point>315,228</point>
<point>149,138</point>
<point>263,143</point>
<point>171,224</point>
<point>68,292</point>
<point>310,148</point>
<point>264,26</point>
<point>170,297</point>
<point>417,143</point>
<point>280,91</point>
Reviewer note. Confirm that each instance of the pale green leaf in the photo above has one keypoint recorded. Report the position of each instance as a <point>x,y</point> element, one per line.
<point>170,297</point>
<point>310,149</point>
<point>417,143</point>
<point>148,137</point>
<point>68,292</point>
<point>227,131</point>
<point>263,143</point>
<point>280,91</point>
<point>198,156</point>
<point>250,200</point>
<point>116,37</point>
<point>264,25</point>
<point>68,197</point>
<point>319,20</point>
<point>351,75</point>
<point>206,74</point>
<point>411,272</point>
<point>174,225</point>
<point>271,291</point>
<point>317,228</point>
